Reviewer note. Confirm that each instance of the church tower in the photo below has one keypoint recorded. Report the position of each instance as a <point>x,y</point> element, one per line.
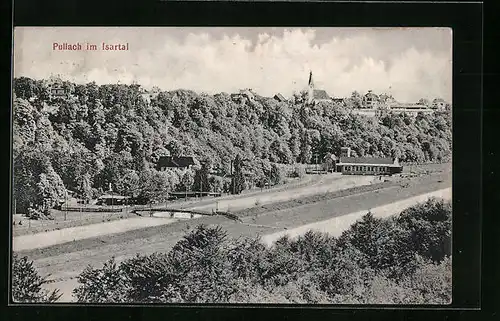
<point>310,92</point>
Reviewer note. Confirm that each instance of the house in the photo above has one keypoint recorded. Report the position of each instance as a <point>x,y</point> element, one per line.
<point>368,166</point>
<point>438,104</point>
<point>370,100</point>
<point>345,152</point>
<point>315,95</point>
<point>338,100</point>
<point>169,162</point>
<point>113,199</point>
<point>57,91</point>
<point>409,108</point>
<point>348,165</point>
<point>330,162</point>
<point>279,97</point>
<point>147,96</point>
<point>243,96</point>
<point>56,88</point>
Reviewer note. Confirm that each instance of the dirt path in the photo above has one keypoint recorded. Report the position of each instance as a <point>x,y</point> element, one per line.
<point>45,239</point>
<point>335,226</point>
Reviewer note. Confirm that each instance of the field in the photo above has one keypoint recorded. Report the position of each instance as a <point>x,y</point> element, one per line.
<point>305,205</point>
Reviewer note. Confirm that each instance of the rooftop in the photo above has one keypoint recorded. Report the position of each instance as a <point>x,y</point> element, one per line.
<point>279,97</point>
<point>175,161</point>
<point>367,160</point>
<point>320,94</point>
<point>113,196</point>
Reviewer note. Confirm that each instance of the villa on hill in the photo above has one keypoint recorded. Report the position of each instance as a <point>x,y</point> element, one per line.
<point>243,96</point>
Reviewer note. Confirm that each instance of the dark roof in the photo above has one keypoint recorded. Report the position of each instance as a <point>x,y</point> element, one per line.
<point>320,94</point>
<point>113,195</point>
<point>367,160</point>
<point>175,161</point>
<point>371,94</point>
<point>332,156</point>
<point>279,97</point>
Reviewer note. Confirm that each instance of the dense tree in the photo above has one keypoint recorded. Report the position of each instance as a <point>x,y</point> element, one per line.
<point>201,180</point>
<point>27,283</point>
<point>103,134</point>
<point>237,179</point>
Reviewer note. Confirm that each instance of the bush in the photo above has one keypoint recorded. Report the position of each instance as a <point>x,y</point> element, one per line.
<point>298,172</point>
<point>106,285</point>
<point>429,228</point>
<point>27,283</point>
<point>375,261</point>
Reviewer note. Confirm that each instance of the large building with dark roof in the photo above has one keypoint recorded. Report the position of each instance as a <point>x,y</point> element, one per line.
<point>348,165</point>
<point>169,162</point>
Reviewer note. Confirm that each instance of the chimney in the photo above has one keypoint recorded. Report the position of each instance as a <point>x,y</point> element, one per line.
<point>345,152</point>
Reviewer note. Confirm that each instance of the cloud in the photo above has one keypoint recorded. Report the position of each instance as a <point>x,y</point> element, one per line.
<point>216,60</point>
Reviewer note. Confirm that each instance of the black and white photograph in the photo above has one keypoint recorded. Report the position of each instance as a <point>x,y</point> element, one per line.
<point>232,165</point>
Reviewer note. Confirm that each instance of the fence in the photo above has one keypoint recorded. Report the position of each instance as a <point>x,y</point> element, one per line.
<point>94,209</point>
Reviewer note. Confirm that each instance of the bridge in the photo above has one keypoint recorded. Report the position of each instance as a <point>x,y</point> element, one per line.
<point>192,212</point>
<point>193,194</point>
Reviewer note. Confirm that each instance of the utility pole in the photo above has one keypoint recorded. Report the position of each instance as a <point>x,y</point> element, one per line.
<point>316,160</point>
<point>66,205</point>
<point>232,176</point>
<point>201,186</point>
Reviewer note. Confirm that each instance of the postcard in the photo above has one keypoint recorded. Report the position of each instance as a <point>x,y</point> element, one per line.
<point>231,165</point>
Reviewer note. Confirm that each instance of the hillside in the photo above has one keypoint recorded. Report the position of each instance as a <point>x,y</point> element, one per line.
<point>113,134</point>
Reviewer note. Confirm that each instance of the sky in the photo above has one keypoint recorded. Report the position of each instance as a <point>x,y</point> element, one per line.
<point>409,63</point>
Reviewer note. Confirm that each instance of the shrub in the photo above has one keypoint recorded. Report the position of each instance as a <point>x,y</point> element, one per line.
<point>298,172</point>
<point>106,285</point>
<point>200,269</point>
<point>429,228</point>
<point>27,283</point>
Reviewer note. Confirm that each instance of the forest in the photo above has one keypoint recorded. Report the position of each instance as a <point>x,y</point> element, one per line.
<point>113,135</point>
<point>403,259</point>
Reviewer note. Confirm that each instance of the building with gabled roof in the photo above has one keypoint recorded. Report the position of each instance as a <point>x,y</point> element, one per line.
<point>367,165</point>
<point>170,162</point>
<point>315,95</point>
<point>279,97</point>
<point>370,100</point>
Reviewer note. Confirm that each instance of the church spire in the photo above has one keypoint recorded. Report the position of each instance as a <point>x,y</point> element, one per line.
<point>311,82</point>
<point>310,91</point>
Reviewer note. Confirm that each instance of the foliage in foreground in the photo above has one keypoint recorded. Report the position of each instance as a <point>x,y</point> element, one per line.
<point>27,283</point>
<point>400,260</point>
